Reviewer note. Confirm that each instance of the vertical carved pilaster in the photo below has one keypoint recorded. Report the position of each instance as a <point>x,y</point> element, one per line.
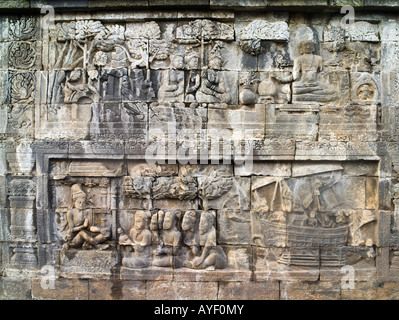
<point>22,223</point>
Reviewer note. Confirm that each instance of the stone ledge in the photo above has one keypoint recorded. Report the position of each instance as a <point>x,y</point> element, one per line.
<point>245,5</point>
<point>68,289</point>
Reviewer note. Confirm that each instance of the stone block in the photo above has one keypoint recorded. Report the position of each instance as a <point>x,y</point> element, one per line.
<point>164,290</point>
<point>234,227</point>
<point>147,274</point>
<point>177,3</point>
<point>297,3</point>
<point>85,149</point>
<point>248,123</point>
<point>292,120</point>
<point>185,274</point>
<point>355,123</point>
<point>264,168</point>
<point>14,4</point>
<point>120,3</point>
<point>372,193</point>
<point>64,289</point>
<point>267,266</point>
<point>353,3</point>
<point>58,4</point>
<point>15,289</point>
<point>321,151</point>
<point>88,263</point>
<point>238,3</point>
<point>360,168</point>
<point>380,3</point>
<point>116,290</point>
<point>236,196</point>
<point>319,290</point>
<point>268,290</point>
<point>372,290</point>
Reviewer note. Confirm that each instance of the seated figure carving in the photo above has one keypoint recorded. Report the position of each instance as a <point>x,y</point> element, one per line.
<point>212,89</point>
<point>190,237</point>
<point>171,239</point>
<point>172,87</point>
<point>140,240</point>
<point>80,232</point>
<point>212,256</point>
<point>306,85</point>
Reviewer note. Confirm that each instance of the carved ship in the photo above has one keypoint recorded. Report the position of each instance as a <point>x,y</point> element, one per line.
<point>313,247</point>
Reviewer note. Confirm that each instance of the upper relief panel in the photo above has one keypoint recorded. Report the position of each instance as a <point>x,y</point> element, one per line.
<point>93,79</point>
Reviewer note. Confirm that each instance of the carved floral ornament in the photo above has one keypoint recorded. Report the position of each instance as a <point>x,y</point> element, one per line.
<point>21,55</point>
<point>21,87</point>
<point>22,28</point>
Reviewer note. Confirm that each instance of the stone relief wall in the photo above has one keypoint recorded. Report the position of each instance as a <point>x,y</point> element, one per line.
<point>87,104</point>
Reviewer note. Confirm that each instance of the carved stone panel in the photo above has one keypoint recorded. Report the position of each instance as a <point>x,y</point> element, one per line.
<point>227,146</point>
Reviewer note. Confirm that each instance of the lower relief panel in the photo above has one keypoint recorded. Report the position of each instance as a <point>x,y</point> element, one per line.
<point>203,223</point>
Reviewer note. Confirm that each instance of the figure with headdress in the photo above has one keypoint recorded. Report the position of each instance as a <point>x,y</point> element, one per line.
<point>212,256</point>
<point>194,77</point>
<point>171,239</point>
<point>172,87</point>
<point>139,239</point>
<point>190,237</point>
<point>80,230</point>
<point>212,89</point>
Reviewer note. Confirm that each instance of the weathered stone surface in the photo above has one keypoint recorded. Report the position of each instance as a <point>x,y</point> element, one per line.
<point>64,289</point>
<point>310,290</point>
<point>248,290</point>
<point>372,291</point>
<point>116,290</point>
<point>161,290</point>
<point>15,289</point>
<point>202,150</point>
<point>88,264</point>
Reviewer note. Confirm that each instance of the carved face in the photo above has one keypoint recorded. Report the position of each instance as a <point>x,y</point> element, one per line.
<point>168,221</point>
<point>205,224</point>
<point>139,222</point>
<point>215,63</point>
<point>154,223</point>
<point>313,214</point>
<point>306,47</point>
<point>75,75</point>
<point>125,82</point>
<point>80,203</point>
<point>178,62</point>
<point>193,62</point>
<point>365,92</point>
<point>188,222</point>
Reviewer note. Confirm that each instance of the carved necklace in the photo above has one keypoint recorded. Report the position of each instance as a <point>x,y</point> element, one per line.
<point>309,65</point>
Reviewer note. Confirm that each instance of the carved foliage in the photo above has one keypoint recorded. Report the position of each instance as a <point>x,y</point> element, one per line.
<point>21,55</point>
